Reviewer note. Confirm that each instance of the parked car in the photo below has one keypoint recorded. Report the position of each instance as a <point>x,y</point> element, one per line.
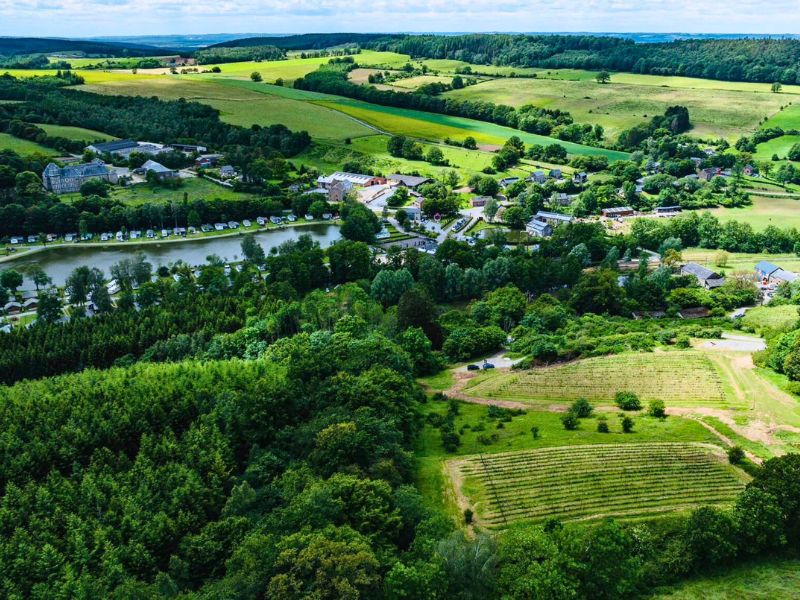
<point>473,368</point>
<point>488,365</point>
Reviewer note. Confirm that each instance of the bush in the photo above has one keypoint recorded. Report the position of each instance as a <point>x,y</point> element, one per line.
<point>468,514</point>
<point>627,401</point>
<point>535,432</point>
<point>657,409</point>
<point>570,421</point>
<point>581,408</point>
<point>602,426</point>
<point>735,455</point>
<point>627,424</point>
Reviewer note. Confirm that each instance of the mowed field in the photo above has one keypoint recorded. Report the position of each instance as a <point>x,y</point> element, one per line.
<point>627,101</point>
<point>679,378</point>
<point>778,146</point>
<point>740,261</point>
<point>595,481</point>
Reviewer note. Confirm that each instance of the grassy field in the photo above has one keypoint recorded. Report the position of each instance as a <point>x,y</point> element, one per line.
<point>595,481</point>
<point>779,212</point>
<point>788,118</point>
<point>195,189</point>
<point>779,146</point>
<point>770,579</point>
<point>620,105</point>
<point>685,378</point>
<point>740,261</point>
<point>9,142</point>
<point>777,318</point>
<point>75,133</point>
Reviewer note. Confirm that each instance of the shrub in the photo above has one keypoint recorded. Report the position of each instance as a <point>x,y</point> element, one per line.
<point>468,514</point>
<point>627,401</point>
<point>570,421</point>
<point>581,408</point>
<point>657,409</point>
<point>627,424</point>
<point>535,432</point>
<point>682,341</point>
<point>602,427</point>
<point>735,455</point>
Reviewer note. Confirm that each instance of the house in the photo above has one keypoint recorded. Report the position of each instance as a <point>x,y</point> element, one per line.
<point>706,277</point>
<point>227,171</point>
<point>537,177</point>
<point>580,178</point>
<point>158,170</point>
<point>552,218</point>
<point>782,276</point>
<point>409,181</point>
<point>709,174</point>
<point>62,180</point>
<point>413,212</point>
<point>749,171</point>
<point>479,201</point>
<point>537,228</point>
<point>507,181</point>
<point>12,308</point>
<point>354,179</point>
<point>555,174</point>
<point>617,211</point>
<point>207,160</point>
<point>563,199</point>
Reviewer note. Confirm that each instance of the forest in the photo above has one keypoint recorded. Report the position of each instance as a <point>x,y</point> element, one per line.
<point>757,60</point>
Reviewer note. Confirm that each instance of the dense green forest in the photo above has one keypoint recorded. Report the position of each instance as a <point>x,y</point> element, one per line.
<point>761,60</point>
<point>226,54</point>
<point>15,46</point>
<point>306,41</point>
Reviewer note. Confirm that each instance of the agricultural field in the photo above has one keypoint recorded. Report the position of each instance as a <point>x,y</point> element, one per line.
<point>9,142</point>
<point>679,378</point>
<point>595,481</point>
<point>616,106</point>
<point>400,121</point>
<point>789,118</point>
<point>780,212</point>
<point>776,579</point>
<point>75,133</point>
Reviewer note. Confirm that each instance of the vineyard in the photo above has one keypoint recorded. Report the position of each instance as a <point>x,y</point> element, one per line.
<point>585,482</point>
<point>679,378</point>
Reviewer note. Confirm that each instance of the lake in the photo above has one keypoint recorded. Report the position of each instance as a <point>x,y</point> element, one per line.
<point>59,261</point>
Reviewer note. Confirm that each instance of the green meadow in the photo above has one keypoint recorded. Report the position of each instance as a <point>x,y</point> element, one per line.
<point>627,101</point>
<point>778,212</point>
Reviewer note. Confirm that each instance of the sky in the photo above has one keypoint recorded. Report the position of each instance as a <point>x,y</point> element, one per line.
<point>86,18</point>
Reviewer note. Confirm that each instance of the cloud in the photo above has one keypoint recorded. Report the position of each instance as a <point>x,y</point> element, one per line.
<point>129,17</point>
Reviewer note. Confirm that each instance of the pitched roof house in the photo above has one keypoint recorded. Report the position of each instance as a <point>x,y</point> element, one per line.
<point>62,180</point>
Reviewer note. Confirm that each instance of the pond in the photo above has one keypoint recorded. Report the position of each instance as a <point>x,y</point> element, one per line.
<point>59,261</point>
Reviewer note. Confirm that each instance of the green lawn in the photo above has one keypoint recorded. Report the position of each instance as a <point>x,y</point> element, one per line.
<point>769,579</point>
<point>75,133</point>
<point>789,118</point>
<point>195,189</point>
<point>627,101</point>
<point>740,261</point>
<point>9,142</point>
<point>779,146</point>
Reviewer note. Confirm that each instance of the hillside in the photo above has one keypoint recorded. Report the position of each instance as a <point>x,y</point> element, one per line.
<point>12,46</point>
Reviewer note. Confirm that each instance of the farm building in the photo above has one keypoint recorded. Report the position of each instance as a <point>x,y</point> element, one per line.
<point>555,174</point>
<point>771,273</point>
<point>62,180</point>
<point>706,277</point>
<point>667,210</point>
<point>537,177</point>
<point>478,201</point>
<point>125,148</point>
<point>409,181</point>
<point>617,212</point>
<point>552,218</point>
<point>507,181</point>
<point>158,170</point>
<point>354,179</point>
<point>207,160</point>
<point>580,178</point>
<point>536,228</point>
